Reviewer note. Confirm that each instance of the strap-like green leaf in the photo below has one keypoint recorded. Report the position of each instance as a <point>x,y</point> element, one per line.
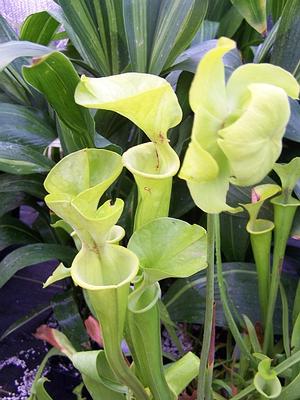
<point>285,53</point>
<point>55,77</point>
<point>177,24</point>
<point>9,51</point>
<point>32,254</point>
<point>14,232</point>
<point>254,11</point>
<point>22,160</point>
<point>39,28</point>
<point>23,125</point>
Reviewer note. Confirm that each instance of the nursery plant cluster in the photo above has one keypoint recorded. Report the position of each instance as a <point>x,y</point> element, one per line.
<point>159,149</point>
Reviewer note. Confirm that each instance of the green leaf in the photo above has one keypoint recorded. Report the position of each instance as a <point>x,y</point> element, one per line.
<point>265,47</point>
<point>185,300</point>
<point>39,28</point>
<point>217,8</point>
<point>32,254</point>
<point>10,201</point>
<point>190,58</point>
<point>25,319</point>
<point>13,74</point>
<point>14,232</point>
<point>285,53</point>
<point>9,51</point>
<point>140,20</point>
<point>24,125</point>
<point>254,11</point>
<point>252,335</point>
<point>69,319</point>
<point>230,23</point>
<point>291,391</point>
<point>177,24</point>
<point>285,321</point>
<point>292,131</point>
<point>207,31</point>
<point>55,77</point>
<point>168,247</point>
<point>30,184</point>
<point>22,160</point>
<point>93,29</point>
<point>276,7</point>
<point>295,339</point>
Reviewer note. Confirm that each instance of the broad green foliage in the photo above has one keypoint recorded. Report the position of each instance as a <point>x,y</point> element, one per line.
<point>45,74</point>
<point>233,140</point>
<point>254,11</point>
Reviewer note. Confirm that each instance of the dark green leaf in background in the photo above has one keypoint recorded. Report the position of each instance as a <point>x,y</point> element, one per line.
<point>22,160</point>
<point>275,7</point>
<point>230,22</point>
<point>185,299</point>
<point>10,201</point>
<point>254,12</point>
<point>177,24</point>
<point>286,50</point>
<point>190,58</point>
<point>24,125</point>
<point>32,254</point>
<point>67,315</point>
<point>292,131</point>
<point>30,184</point>
<point>14,232</point>
<point>9,51</point>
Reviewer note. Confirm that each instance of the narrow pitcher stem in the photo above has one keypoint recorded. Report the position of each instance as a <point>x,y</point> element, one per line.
<point>224,299</point>
<point>283,219</point>
<point>209,312</point>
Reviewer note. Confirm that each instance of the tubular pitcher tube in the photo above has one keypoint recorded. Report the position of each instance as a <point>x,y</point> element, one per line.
<point>143,328</point>
<point>153,166</point>
<point>261,238</point>
<point>106,277</point>
<point>283,219</point>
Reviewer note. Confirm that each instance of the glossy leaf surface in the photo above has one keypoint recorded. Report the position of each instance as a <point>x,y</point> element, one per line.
<point>55,77</point>
<point>22,160</point>
<point>39,28</point>
<point>32,254</point>
<point>254,11</point>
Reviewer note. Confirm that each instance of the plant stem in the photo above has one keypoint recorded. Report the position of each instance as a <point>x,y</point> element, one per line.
<point>203,393</point>
<point>223,295</point>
